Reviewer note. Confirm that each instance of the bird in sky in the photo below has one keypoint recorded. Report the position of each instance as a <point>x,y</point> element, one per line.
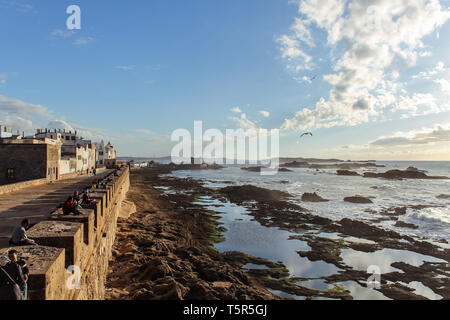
<point>313,78</point>
<point>306,134</point>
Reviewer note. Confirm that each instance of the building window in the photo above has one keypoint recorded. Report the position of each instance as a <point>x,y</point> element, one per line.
<point>73,138</point>
<point>10,174</point>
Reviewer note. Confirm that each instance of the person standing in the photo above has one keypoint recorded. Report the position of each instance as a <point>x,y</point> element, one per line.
<point>25,271</point>
<point>11,278</point>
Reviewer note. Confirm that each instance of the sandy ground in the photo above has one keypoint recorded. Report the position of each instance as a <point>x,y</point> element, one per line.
<point>163,252</point>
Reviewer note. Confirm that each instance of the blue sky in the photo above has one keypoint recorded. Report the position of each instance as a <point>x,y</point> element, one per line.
<point>138,70</point>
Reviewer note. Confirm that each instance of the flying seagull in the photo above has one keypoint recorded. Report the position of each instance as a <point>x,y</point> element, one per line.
<point>313,78</point>
<point>306,134</point>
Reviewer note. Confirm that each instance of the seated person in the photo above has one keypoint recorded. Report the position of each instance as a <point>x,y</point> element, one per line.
<point>70,206</point>
<point>86,198</point>
<point>76,197</point>
<point>19,236</point>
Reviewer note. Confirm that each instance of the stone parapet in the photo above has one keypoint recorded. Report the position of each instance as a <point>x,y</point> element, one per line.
<point>83,241</point>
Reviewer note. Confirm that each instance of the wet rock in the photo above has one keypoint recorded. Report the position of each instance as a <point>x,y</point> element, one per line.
<point>260,169</point>
<point>400,292</point>
<point>360,229</point>
<point>414,169</point>
<point>358,199</point>
<point>443,196</point>
<point>347,173</point>
<point>324,250</point>
<point>313,197</point>
<point>400,211</point>
<point>399,175</point>
<point>239,194</point>
<point>394,211</point>
<point>402,224</point>
<point>296,164</point>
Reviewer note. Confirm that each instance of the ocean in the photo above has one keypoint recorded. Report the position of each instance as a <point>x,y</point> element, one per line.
<point>247,235</point>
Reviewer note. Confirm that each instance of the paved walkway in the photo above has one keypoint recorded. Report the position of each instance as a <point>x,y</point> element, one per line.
<point>35,203</point>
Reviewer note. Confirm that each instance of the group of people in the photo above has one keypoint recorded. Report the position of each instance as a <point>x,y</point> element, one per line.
<point>13,277</point>
<point>75,202</point>
<point>13,270</point>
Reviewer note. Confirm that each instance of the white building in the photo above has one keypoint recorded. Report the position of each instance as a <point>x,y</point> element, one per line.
<point>77,154</point>
<point>106,154</point>
<point>5,132</point>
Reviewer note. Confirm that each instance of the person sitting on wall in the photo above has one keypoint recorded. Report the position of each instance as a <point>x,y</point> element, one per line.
<point>11,278</point>
<point>25,271</point>
<point>70,206</point>
<point>76,197</point>
<point>87,199</point>
<point>19,236</point>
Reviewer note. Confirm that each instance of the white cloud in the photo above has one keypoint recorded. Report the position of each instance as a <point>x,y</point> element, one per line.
<point>83,41</point>
<point>368,42</point>
<point>21,115</point>
<point>291,50</point>
<point>63,33</point>
<point>18,123</point>
<point>418,104</point>
<point>125,68</point>
<point>438,134</point>
<point>60,124</point>
<point>21,108</point>
<point>439,68</point>
<point>265,114</point>
<point>3,78</point>
<point>303,120</point>
<point>445,85</point>
<point>150,136</point>
<point>18,5</point>
<point>94,134</point>
<point>243,122</point>
<point>236,110</point>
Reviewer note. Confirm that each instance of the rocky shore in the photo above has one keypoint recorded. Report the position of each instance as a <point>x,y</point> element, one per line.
<point>340,166</point>
<point>165,250</point>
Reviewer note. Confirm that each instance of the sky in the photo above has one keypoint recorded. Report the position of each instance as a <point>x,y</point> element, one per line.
<point>369,79</point>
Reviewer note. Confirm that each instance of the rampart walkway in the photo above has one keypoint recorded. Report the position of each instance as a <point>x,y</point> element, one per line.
<point>35,203</point>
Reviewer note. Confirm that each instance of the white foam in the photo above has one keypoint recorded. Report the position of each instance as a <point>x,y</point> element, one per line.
<point>432,215</point>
